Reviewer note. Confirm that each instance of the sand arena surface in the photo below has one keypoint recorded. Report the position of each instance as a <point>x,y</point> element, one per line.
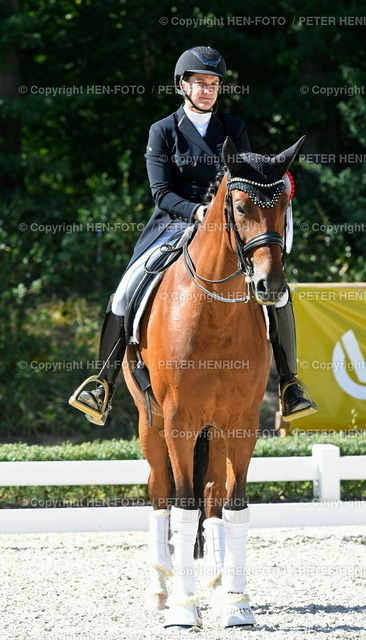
<point>303,583</point>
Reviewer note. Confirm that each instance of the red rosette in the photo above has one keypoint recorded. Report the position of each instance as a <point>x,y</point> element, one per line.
<point>292,183</point>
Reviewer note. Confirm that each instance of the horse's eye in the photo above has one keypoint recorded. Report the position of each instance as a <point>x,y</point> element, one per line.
<point>239,208</point>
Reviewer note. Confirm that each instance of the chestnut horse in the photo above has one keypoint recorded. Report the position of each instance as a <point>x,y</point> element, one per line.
<point>205,343</point>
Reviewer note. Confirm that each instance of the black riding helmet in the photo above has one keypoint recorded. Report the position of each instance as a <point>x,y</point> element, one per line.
<point>199,60</point>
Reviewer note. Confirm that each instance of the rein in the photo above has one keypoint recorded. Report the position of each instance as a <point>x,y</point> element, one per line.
<point>244,264</point>
<point>193,275</point>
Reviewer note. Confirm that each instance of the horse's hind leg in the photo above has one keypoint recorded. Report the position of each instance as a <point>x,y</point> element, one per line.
<point>214,499</point>
<point>154,448</point>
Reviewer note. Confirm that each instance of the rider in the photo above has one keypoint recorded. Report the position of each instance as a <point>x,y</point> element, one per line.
<point>183,157</point>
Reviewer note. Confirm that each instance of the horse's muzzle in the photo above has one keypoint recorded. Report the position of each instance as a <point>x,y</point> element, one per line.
<point>270,290</point>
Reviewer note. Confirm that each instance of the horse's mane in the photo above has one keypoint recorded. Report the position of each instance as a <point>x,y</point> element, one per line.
<point>214,187</point>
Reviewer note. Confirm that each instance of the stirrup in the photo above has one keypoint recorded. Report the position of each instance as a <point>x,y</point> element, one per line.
<point>302,412</point>
<point>93,415</point>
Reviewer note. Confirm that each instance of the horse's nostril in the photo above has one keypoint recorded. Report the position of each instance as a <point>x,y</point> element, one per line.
<point>266,293</point>
<point>262,286</point>
<point>263,293</point>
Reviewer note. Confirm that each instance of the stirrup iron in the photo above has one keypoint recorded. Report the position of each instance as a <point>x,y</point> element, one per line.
<point>93,415</point>
<point>302,412</point>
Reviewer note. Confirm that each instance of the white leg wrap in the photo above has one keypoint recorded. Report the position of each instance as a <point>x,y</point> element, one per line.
<point>184,525</point>
<point>158,549</point>
<point>215,548</point>
<point>236,531</point>
<point>156,593</point>
<point>236,609</point>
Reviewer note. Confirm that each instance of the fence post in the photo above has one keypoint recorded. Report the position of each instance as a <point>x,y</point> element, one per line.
<point>328,486</point>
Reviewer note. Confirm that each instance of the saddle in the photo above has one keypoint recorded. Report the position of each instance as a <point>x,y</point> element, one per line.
<point>146,278</point>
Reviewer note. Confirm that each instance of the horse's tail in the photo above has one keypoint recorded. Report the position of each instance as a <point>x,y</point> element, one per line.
<point>200,463</point>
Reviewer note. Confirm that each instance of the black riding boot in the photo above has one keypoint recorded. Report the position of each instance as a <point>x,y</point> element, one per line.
<point>112,348</point>
<point>283,338</point>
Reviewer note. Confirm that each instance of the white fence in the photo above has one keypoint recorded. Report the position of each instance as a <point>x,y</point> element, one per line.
<point>325,468</point>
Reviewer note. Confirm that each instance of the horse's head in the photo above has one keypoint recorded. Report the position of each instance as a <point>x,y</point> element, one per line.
<point>256,204</point>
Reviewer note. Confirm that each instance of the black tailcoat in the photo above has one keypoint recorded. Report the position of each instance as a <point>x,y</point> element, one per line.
<point>181,164</point>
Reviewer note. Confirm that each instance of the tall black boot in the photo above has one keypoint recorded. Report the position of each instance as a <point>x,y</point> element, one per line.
<point>112,348</point>
<point>283,337</point>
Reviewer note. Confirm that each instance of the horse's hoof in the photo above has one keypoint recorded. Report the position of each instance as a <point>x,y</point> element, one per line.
<point>155,601</point>
<point>183,613</point>
<point>236,611</point>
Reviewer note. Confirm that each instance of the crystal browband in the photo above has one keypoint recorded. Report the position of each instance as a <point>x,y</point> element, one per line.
<point>256,184</point>
<point>257,190</point>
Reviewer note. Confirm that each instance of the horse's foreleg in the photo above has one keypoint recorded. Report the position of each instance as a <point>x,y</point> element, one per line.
<point>236,608</point>
<point>183,610</point>
<point>159,560</point>
<point>154,448</point>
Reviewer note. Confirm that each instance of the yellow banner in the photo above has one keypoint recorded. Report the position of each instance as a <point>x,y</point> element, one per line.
<point>331,352</point>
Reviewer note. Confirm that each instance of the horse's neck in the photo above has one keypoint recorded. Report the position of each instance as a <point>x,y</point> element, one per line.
<point>214,258</point>
<point>211,249</point>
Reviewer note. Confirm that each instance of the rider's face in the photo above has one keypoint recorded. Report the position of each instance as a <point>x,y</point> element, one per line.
<point>202,89</point>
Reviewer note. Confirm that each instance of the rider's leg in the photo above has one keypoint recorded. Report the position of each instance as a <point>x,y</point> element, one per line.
<point>283,336</point>
<point>111,351</point>
<point>112,348</point>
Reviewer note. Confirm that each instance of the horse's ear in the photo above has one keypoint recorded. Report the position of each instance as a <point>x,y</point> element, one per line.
<point>283,160</point>
<point>230,154</point>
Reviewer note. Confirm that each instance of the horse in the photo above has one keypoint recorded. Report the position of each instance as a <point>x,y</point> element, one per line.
<point>205,342</point>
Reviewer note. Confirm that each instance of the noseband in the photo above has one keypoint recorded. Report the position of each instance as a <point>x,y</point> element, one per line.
<point>242,249</point>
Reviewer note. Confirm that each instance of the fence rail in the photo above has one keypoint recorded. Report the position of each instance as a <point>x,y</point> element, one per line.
<point>325,468</point>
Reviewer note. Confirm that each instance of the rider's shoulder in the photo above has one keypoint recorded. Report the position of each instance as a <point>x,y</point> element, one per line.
<point>230,120</point>
<point>167,123</point>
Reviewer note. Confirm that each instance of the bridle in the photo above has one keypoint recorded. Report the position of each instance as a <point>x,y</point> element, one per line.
<point>244,263</point>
